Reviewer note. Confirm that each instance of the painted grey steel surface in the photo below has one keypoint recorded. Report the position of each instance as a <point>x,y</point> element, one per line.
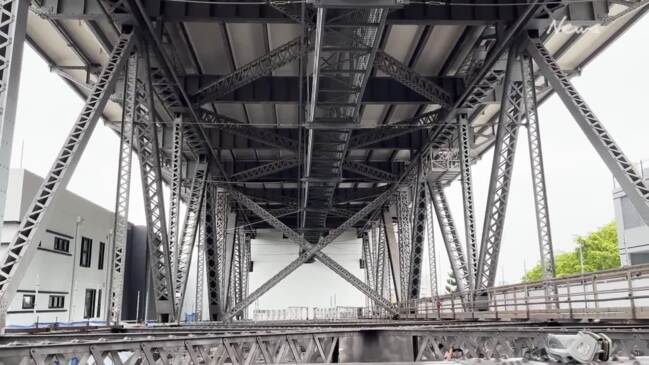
<point>511,112</point>
<point>21,249</point>
<point>120,230</point>
<point>13,26</point>
<point>146,136</point>
<point>544,231</point>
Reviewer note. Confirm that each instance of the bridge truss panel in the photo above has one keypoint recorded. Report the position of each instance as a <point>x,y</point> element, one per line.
<point>21,249</point>
<point>120,224</point>
<point>151,177</point>
<point>501,172</point>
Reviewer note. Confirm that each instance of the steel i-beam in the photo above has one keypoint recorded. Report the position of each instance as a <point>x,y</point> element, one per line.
<point>150,173</point>
<point>538,174</point>
<point>21,249</point>
<point>367,259</point>
<point>13,24</point>
<point>120,225</point>
<point>501,173</point>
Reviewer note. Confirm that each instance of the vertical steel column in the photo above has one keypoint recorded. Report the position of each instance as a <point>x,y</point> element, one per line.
<point>245,269</point>
<point>367,257</point>
<point>449,234</point>
<point>188,237</point>
<point>622,169</point>
<point>432,254</point>
<point>235,295</point>
<point>417,242</point>
<point>501,173</point>
<point>13,23</point>
<point>467,196</point>
<point>393,251</point>
<point>200,267</point>
<point>228,254</point>
<point>214,202</point>
<point>120,225</point>
<point>404,219</point>
<point>380,260</point>
<point>538,173</point>
<point>150,173</point>
<point>21,250</point>
<point>174,187</point>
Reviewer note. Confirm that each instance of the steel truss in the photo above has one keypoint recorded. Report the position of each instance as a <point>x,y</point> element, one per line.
<point>235,127</point>
<point>13,24</point>
<point>538,174</point>
<point>150,173</point>
<point>260,67</point>
<point>188,237</point>
<point>368,260</point>
<point>622,169</point>
<point>432,253</point>
<point>466,180</point>
<point>342,63</point>
<point>22,248</point>
<point>417,241</point>
<point>450,237</point>
<point>200,263</point>
<point>491,345</point>
<point>369,171</point>
<point>403,224</point>
<point>381,258</point>
<point>394,257</point>
<point>511,112</point>
<point>215,209</point>
<point>309,250</point>
<point>265,169</point>
<point>120,226</point>
<point>412,79</point>
<point>175,187</point>
<point>382,133</point>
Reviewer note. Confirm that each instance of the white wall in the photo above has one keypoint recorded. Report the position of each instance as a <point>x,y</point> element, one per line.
<point>311,285</point>
<point>51,272</point>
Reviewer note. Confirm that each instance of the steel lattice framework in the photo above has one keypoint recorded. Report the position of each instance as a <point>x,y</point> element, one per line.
<point>21,249</point>
<point>123,192</point>
<point>511,112</point>
<point>310,137</point>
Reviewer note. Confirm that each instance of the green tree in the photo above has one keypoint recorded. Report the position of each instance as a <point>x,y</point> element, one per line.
<point>451,283</point>
<point>599,249</point>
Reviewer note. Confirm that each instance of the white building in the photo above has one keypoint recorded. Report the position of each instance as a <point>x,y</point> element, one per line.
<point>66,280</point>
<point>632,232</point>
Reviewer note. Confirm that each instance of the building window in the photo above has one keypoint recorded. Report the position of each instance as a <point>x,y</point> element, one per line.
<point>102,249</point>
<point>56,301</point>
<point>86,252</point>
<point>29,300</point>
<point>61,244</point>
<point>99,303</point>
<point>89,308</point>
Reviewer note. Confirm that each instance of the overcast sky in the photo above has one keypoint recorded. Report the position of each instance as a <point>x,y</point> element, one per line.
<point>579,184</point>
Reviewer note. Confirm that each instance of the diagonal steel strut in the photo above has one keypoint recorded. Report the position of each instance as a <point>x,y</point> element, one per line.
<point>21,249</point>
<point>622,169</point>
